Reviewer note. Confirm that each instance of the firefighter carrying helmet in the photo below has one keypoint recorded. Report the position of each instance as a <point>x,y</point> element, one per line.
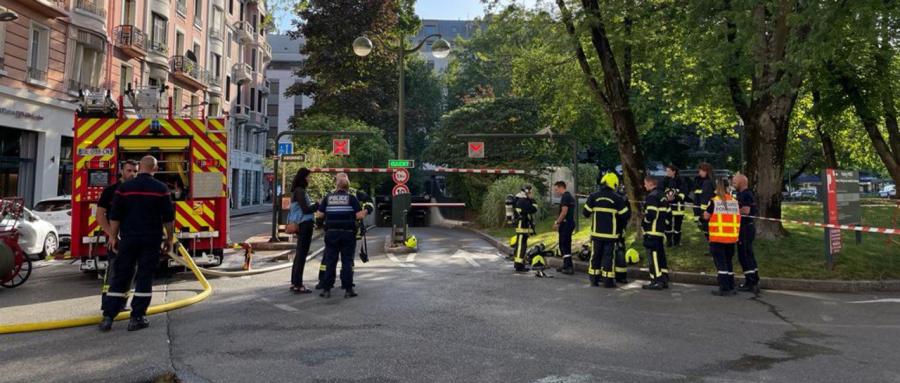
<point>632,257</point>
<point>611,180</point>
<point>513,240</point>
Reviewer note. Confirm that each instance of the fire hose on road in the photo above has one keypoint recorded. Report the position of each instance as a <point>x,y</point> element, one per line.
<point>95,319</point>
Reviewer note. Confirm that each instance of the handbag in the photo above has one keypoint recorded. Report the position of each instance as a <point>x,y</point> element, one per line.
<point>293,219</point>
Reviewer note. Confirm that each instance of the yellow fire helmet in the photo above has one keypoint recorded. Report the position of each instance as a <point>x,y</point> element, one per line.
<point>412,242</point>
<point>632,256</point>
<point>513,240</point>
<point>611,180</point>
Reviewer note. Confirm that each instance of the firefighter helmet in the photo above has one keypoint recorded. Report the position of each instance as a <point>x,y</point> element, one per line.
<point>632,257</point>
<point>411,242</point>
<point>513,240</point>
<point>611,180</point>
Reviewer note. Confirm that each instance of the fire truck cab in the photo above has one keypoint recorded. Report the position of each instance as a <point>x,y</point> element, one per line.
<point>193,161</point>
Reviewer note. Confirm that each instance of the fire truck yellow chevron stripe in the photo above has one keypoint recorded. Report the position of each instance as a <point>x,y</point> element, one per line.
<point>89,141</point>
<point>86,125</point>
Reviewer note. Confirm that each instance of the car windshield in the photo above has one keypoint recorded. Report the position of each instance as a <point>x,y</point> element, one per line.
<point>60,205</point>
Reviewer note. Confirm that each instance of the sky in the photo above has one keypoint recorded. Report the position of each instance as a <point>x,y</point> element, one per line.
<point>439,9</point>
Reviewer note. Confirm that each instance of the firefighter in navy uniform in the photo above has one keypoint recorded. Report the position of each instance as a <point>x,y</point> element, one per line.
<point>608,213</point>
<point>104,205</point>
<point>674,189</point>
<point>565,226</point>
<point>747,203</point>
<point>621,264</point>
<point>140,210</point>
<point>524,208</point>
<point>704,191</point>
<point>656,213</point>
<point>341,210</point>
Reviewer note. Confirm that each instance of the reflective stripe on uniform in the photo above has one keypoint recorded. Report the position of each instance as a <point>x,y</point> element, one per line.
<point>751,271</point>
<point>621,269</point>
<point>119,295</point>
<point>143,294</point>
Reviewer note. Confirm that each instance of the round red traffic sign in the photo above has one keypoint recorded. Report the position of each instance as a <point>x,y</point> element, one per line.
<point>401,176</point>
<point>400,189</point>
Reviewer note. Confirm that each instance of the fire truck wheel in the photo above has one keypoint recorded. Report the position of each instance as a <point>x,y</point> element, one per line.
<point>219,256</point>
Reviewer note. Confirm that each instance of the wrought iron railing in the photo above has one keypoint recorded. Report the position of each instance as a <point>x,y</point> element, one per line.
<point>76,85</point>
<point>158,47</point>
<point>184,65</point>
<point>96,7</point>
<point>129,36</point>
<point>37,74</point>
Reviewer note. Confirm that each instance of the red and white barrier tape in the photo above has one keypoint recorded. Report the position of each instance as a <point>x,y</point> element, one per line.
<point>866,229</point>
<point>480,171</point>
<point>438,204</point>
<point>352,170</point>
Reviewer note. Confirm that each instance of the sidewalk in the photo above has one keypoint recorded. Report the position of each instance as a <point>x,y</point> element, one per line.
<point>266,208</point>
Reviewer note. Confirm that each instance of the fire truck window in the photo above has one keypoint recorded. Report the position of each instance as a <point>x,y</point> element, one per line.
<point>174,167</point>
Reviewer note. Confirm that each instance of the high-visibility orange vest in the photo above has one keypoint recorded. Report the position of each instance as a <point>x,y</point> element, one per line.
<point>725,222</point>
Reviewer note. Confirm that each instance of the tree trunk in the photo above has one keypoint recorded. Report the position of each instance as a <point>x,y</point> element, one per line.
<point>829,153</point>
<point>613,98</point>
<point>870,124</point>
<point>765,164</point>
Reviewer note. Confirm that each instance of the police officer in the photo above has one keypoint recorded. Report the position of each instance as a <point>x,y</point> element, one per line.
<point>140,209</point>
<point>367,204</point>
<point>704,190</point>
<point>126,173</point>
<point>656,214</point>
<point>747,203</point>
<point>340,209</point>
<point>608,218</point>
<point>674,189</point>
<point>565,226</point>
<point>524,208</point>
<point>723,214</point>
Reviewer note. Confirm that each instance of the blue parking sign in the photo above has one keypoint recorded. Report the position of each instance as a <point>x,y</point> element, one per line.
<point>285,148</point>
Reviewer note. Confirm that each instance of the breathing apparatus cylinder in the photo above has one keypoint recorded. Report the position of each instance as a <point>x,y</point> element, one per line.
<point>510,209</point>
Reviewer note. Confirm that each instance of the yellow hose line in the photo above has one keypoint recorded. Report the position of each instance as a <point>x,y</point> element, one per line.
<point>91,320</point>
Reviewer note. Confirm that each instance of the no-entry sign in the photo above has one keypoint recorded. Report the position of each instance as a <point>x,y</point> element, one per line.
<point>400,176</point>
<point>400,189</point>
<point>476,149</point>
<point>340,146</point>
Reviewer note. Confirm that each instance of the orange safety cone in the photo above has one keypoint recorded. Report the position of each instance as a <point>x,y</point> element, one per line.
<point>248,255</point>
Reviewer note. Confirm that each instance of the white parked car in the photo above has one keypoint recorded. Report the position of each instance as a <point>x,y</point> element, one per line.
<point>888,191</point>
<point>58,211</point>
<point>37,238</point>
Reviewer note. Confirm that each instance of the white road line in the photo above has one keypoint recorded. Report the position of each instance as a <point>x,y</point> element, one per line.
<point>887,300</point>
<point>472,262</point>
<point>396,260</point>
<point>411,257</point>
<point>286,307</point>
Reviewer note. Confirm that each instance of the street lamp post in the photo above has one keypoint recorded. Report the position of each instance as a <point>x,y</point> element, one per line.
<point>362,46</point>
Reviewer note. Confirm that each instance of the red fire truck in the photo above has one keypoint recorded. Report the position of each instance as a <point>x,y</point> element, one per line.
<point>193,162</point>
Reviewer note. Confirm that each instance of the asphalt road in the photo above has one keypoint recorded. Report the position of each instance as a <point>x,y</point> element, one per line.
<point>455,312</point>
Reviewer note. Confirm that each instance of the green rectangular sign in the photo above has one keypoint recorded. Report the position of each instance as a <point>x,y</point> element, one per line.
<point>408,164</point>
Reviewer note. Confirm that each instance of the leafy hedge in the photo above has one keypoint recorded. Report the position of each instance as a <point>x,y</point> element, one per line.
<point>493,206</point>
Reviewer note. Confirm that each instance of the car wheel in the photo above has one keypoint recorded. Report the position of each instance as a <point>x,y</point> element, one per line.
<point>51,244</point>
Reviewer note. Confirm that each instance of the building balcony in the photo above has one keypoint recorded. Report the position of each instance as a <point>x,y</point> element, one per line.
<point>244,32</point>
<point>264,87</point>
<point>74,86</point>
<point>50,8</point>
<point>157,53</point>
<point>215,84</point>
<point>258,119</point>
<point>94,7</point>
<point>189,72</point>
<point>131,40</point>
<point>241,74</point>
<point>264,47</point>
<point>240,112</point>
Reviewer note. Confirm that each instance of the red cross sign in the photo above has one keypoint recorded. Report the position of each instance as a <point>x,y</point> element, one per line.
<point>340,147</point>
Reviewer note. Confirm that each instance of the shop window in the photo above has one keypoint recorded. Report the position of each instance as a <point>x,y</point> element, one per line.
<point>64,186</point>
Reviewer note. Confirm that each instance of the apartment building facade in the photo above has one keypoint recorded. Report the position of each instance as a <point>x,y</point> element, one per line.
<point>209,56</point>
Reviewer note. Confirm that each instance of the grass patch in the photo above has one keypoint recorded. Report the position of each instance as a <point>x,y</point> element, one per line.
<point>800,255</point>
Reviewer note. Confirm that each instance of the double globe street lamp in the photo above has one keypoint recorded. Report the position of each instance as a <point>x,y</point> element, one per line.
<point>362,46</point>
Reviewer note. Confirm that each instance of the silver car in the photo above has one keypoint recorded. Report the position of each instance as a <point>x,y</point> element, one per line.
<point>58,211</point>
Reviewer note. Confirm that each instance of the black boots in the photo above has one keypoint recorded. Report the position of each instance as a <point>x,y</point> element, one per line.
<point>106,324</point>
<point>720,292</point>
<point>138,323</point>
<point>326,293</point>
<point>349,293</point>
<point>749,289</point>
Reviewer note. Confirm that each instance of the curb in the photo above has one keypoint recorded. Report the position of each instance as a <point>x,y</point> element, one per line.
<point>829,286</point>
<point>283,245</point>
<point>249,213</point>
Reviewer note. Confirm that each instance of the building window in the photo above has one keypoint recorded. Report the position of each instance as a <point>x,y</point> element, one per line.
<point>298,104</point>
<point>125,76</point>
<point>230,7</point>
<point>253,60</point>
<point>213,111</point>
<point>236,141</point>
<point>215,68</point>
<point>158,35</point>
<point>227,88</point>
<point>39,53</point>
<point>252,98</point>
<point>257,180</point>
<point>198,13</point>
<point>179,43</point>
<point>128,9</point>
<point>88,62</point>
<point>176,103</point>
<point>181,7</point>
<point>195,107</point>
<point>197,50</point>
<point>228,46</point>
<point>245,197</point>
<point>18,150</point>
<point>246,141</point>
<point>274,91</point>
<point>430,29</point>
<point>215,23</point>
